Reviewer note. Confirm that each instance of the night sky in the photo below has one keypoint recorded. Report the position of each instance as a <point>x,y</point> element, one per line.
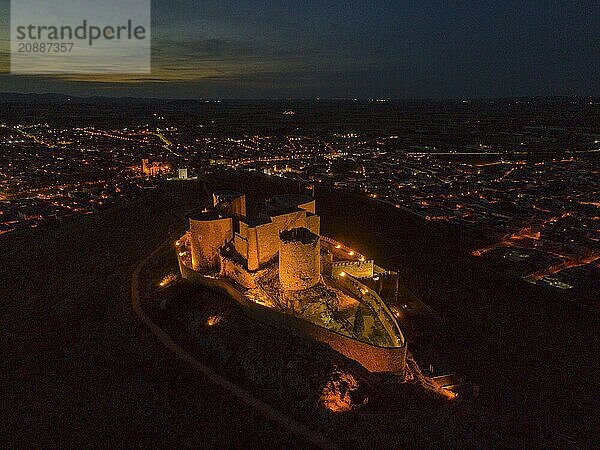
<point>352,48</point>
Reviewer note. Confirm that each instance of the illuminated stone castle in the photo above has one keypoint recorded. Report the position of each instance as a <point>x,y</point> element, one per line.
<point>223,240</point>
<point>282,271</point>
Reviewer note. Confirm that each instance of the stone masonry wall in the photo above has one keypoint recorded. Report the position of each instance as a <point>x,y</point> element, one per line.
<point>207,237</point>
<point>299,259</point>
<point>375,359</point>
<point>358,269</point>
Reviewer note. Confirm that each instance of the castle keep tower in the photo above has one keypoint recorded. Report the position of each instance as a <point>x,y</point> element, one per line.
<point>209,231</point>
<point>230,203</point>
<point>299,259</point>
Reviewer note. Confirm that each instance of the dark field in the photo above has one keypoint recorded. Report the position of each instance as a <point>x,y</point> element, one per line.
<point>77,369</point>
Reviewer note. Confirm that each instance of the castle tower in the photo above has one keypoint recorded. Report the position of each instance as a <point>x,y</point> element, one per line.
<point>209,232</point>
<point>230,203</point>
<point>299,259</point>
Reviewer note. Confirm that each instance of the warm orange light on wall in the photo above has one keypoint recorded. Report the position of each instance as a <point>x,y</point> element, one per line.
<point>450,395</point>
<point>213,320</point>
<point>168,279</point>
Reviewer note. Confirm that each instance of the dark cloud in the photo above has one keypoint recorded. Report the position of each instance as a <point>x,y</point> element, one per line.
<point>268,48</point>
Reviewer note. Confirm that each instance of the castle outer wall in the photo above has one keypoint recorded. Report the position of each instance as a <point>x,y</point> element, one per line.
<point>374,359</point>
<point>358,269</point>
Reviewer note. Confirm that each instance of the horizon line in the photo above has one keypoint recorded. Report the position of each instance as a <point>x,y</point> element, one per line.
<point>375,99</point>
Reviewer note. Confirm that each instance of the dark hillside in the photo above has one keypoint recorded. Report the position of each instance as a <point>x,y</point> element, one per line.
<point>73,353</point>
<point>530,349</point>
<point>65,312</point>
